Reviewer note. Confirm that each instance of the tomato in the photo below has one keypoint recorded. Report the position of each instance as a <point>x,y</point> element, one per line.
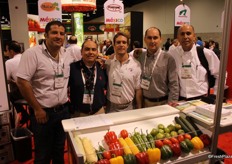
<point>158,143</point>
<point>174,140</point>
<point>187,136</point>
<point>106,155</point>
<point>124,133</point>
<point>180,138</point>
<point>167,142</point>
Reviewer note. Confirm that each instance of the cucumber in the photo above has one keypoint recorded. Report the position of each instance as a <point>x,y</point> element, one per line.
<point>190,120</point>
<point>183,126</point>
<point>192,130</point>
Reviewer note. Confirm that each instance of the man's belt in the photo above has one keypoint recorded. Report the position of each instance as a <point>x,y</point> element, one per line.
<point>157,99</point>
<point>191,98</point>
<point>56,108</point>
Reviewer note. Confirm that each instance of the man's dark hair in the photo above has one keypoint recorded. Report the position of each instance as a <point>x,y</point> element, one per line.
<point>83,44</point>
<point>48,26</point>
<point>15,46</point>
<point>153,28</point>
<point>121,34</point>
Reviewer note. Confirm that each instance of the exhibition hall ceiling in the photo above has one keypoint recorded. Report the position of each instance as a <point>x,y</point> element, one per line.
<point>33,9</point>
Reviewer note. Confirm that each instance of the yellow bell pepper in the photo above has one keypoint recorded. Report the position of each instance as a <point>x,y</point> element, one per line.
<point>154,155</point>
<point>117,160</point>
<point>197,143</point>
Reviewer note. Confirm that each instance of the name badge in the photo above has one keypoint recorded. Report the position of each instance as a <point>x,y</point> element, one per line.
<point>59,81</point>
<point>117,90</point>
<point>88,98</point>
<point>145,84</point>
<point>186,72</point>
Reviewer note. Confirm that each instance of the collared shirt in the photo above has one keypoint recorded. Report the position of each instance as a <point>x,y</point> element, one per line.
<point>198,84</point>
<point>12,67</point>
<point>164,78</point>
<point>37,67</point>
<point>75,51</point>
<point>128,74</point>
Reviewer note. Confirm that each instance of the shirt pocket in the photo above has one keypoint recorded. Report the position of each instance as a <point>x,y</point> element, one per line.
<point>201,73</point>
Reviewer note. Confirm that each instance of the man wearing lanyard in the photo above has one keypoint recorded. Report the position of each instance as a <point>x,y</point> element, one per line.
<point>43,75</point>
<point>159,76</point>
<point>192,75</point>
<point>87,82</point>
<point>124,77</point>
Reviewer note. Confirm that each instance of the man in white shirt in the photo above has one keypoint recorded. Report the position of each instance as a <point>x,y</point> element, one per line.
<point>192,75</point>
<point>74,50</point>
<point>124,77</point>
<point>14,49</point>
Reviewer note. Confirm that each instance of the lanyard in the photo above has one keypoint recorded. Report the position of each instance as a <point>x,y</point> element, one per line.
<point>95,77</point>
<point>153,65</point>
<point>60,63</point>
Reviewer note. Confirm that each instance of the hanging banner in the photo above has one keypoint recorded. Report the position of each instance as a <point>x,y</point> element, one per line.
<point>182,15</point>
<point>49,10</point>
<point>114,12</point>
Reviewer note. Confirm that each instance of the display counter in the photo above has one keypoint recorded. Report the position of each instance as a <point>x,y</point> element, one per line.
<point>145,119</point>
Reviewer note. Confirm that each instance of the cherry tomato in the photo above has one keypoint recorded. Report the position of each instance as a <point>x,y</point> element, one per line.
<point>158,143</point>
<point>188,136</point>
<point>124,133</point>
<point>107,154</point>
<point>174,140</point>
<point>180,138</point>
<point>167,142</point>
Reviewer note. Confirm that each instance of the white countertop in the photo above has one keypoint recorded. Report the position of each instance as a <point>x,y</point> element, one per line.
<point>127,116</point>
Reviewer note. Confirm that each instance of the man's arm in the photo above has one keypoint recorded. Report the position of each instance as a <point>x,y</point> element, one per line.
<point>138,98</point>
<point>173,82</point>
<point>27,92</point>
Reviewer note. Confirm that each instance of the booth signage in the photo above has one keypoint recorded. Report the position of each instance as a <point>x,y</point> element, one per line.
<point>49,10</point>
<point>114,12</point>
<point>182,15</point>
<point>94,28</point>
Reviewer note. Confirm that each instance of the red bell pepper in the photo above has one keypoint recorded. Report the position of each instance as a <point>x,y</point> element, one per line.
<point>116,148</point>
<point>103,161</point>
<point>176,149</point>
<point>205,139</point>
<point>142,158</point>
<point>110,137</point>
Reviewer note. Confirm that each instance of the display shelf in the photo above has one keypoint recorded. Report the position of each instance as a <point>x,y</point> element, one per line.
<point>97,135</point>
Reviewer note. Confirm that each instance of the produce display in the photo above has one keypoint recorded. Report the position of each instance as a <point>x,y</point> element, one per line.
<point>143,146</point>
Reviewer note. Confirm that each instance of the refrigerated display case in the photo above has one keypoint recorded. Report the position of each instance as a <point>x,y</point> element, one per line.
<point>145,119</point>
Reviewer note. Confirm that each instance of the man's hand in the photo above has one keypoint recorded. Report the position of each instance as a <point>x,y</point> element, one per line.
<point>41,116</point>
<point>137,52</point>
<point>173,104</point>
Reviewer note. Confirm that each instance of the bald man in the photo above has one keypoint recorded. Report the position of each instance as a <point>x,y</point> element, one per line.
<point>192,75</point>
<point>74,50</point>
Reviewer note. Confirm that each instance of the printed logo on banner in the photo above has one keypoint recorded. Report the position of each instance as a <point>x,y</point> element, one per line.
<point>48,6</point>
<point>114,8</point>
<point>183,13</point>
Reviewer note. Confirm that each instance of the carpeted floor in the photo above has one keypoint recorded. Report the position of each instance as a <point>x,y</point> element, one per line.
<point>225,143</point>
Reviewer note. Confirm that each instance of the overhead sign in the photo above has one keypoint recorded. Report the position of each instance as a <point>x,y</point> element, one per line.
<point>114,12</point>
<point>97,27</point>
<point>182,15</point>
<point>49,10</point>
